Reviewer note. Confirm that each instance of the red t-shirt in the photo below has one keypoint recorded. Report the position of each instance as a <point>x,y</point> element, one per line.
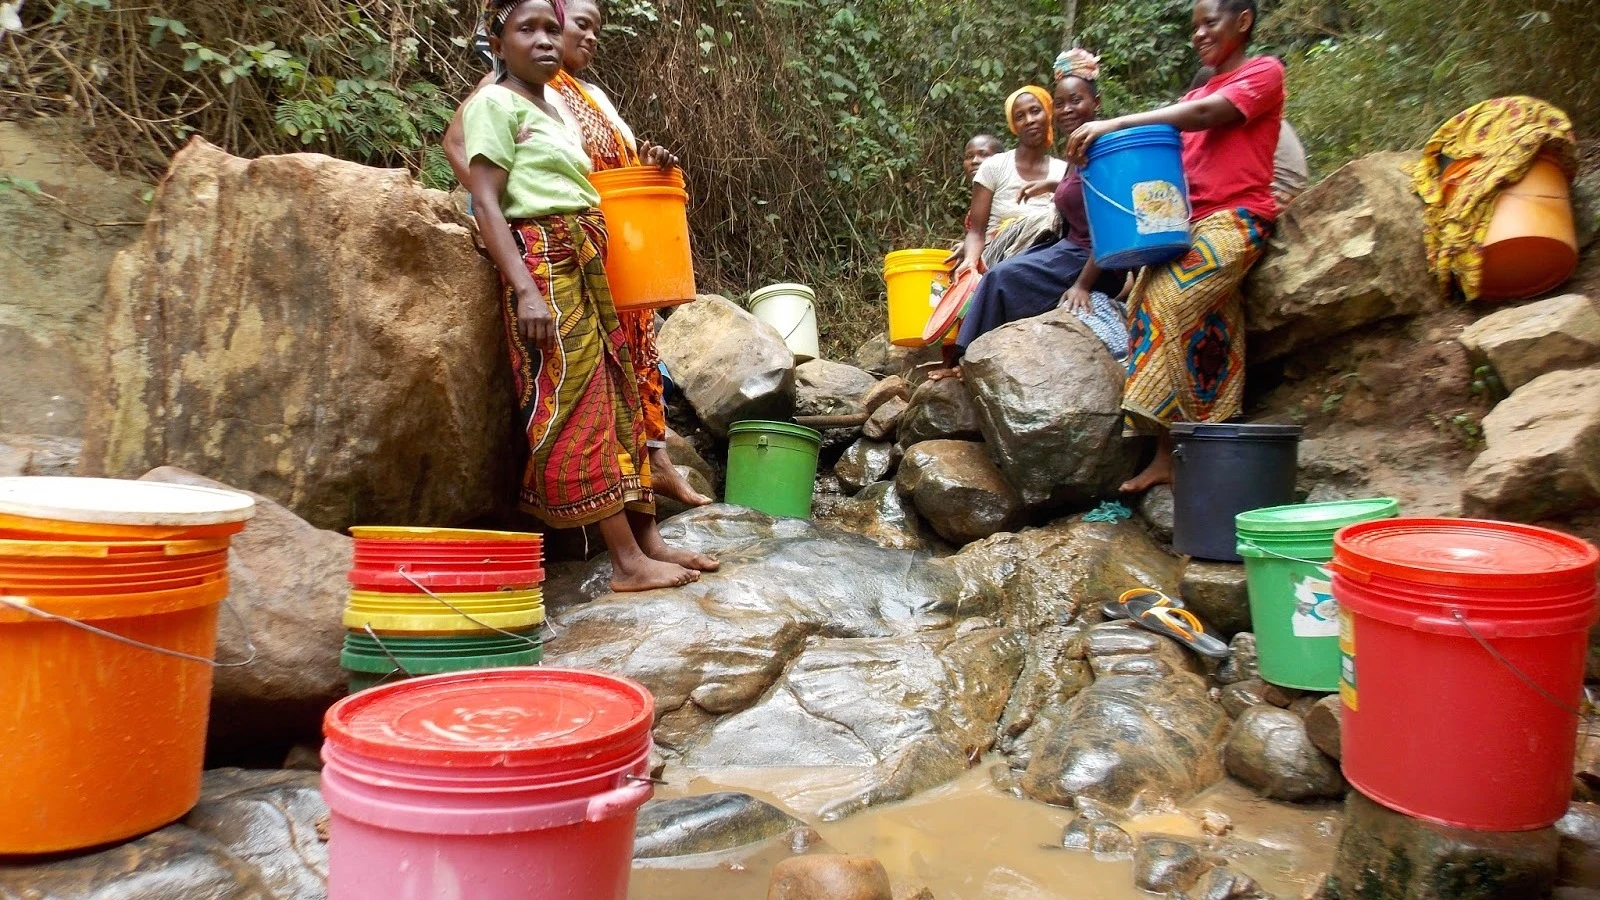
<point>1231,166</point>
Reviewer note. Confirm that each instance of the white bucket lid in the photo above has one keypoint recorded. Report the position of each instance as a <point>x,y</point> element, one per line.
<point>113,501</point>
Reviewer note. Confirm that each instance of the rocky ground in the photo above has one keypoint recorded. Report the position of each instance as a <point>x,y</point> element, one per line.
<point>314,332</point>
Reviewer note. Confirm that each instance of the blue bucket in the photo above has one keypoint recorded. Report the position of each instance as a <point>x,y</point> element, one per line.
<point>1137,197</point>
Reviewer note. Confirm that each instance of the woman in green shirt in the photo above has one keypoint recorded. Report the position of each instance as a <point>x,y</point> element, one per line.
<point>539,216</point>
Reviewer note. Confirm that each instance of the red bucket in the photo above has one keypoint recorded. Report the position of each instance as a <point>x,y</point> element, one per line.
<point>420,579</point>
<point>1463,646</point>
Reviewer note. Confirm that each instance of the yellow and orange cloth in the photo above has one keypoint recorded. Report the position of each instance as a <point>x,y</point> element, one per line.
<point>1465,166</point>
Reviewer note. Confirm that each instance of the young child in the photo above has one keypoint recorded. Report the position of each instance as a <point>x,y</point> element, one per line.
<point>539,216</point>
<point>980,148</point>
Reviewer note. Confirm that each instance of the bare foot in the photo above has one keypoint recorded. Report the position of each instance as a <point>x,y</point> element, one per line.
<point>649,574</point>
<point>666,480</point>
<point>1158,472</point>
<point>651,543</point>
<point>942,374</point>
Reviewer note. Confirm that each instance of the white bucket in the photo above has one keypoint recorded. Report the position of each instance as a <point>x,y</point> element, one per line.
<point>791,309</point>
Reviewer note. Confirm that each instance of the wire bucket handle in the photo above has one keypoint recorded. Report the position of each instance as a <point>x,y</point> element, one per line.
<point>21,605</point>
<point>453,608</point>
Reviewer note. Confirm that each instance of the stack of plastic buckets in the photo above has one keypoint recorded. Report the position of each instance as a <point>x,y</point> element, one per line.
<point>1286,550</point>
<point>1463,647</point>
<point>424,601</point>
<point>500,785</point>
<point>109,592</point>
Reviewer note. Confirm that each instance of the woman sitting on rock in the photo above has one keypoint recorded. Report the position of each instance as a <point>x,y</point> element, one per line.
<point>1186,322</point>
<point>1002,220</point>
<point>572,369</point>
<point>1060,271</point>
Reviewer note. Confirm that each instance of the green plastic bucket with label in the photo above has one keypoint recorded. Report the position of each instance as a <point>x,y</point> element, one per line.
<point>772,467</point>
<point>1286,550</point>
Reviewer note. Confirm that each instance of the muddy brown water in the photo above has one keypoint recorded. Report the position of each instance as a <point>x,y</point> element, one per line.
<point>968,840</point>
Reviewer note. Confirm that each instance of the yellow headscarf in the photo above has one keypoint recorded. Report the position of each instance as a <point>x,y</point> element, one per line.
<point>1045,100</point>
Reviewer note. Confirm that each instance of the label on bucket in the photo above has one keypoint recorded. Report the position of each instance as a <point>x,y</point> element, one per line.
<point>1316,613</point>
<point>1347,660</point>
<point>936,293</point>
<point>1159,207</point>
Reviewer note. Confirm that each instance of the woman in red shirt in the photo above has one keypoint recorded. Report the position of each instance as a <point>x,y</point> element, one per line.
<point>1186,322</point>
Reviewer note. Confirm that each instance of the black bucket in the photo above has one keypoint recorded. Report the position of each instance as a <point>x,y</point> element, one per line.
<point>1219,471</point>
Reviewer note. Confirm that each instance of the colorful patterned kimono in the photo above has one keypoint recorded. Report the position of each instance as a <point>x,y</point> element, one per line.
<point>1186,328</point>
<point>578,405</point>
<point>609,149</point>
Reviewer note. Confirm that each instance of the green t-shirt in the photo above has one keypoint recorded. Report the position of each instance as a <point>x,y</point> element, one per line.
<point>549,172</point>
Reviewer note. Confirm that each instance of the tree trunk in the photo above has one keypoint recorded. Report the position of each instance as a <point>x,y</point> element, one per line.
<point>1069,12</point>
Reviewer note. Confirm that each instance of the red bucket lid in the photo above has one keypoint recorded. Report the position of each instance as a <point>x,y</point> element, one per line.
<point>497,717</point>
<point>1467,553</point>
<point>951,306</point>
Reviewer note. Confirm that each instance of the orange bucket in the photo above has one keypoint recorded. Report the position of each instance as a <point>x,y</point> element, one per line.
<point>1532,244</point>
<point>648,262</point>
<point>113,509</point>
<point>105,740</point>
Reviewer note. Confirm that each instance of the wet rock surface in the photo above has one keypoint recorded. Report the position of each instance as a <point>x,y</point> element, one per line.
<point>707,823</point>
<point>1053,420</point>
<point>287,581</point>
<point>1157,510</point>
<point>207,363</point>
<point>865,462</point>
<point>1270,751</point>
<point>830,877</point>
<point>1101,837</point>
<point>884,423</point>
<point>1123,648</point>
<point>824,388</point>
<point>1218,593</point>
<point>1523,342</point>
<point>940,410</point>
<point>729,364</point>
<point>958,490</point>
<point>1383,854</point>
<point>1580,846</point>
<point>1543,455</point>
<point>1322,725</point>
<point>253,836</point>
<point>1243,662</point>
<point>38,454</point>
<point>1162,864</point>
<point>881,515</point>
<point>881,358</point>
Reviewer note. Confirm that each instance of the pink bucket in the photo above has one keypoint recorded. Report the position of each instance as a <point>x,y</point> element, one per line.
<point>493,785</point>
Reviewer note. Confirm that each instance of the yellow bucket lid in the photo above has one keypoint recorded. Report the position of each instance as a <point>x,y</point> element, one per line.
<point>448,622</point>
<point>404,533</point>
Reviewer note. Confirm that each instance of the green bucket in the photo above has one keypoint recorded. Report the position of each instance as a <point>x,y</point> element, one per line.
<point>370,661</point>
<point>1292,610</point>
<point>772,467</point>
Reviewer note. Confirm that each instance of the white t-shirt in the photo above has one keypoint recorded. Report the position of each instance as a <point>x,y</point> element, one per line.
<point>999,174</point>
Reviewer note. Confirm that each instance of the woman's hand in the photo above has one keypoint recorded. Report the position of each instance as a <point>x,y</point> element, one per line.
<point>1078,144</point>
<point>656,155</point>
<point>1040,188</point>
<point>533,318</point>
<point>1077,299</point>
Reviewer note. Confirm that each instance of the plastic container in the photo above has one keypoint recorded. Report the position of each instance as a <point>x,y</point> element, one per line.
<point>1137,197</point>
<point>498,785</point>
<point>1446,626</point>
<point>772,467</point>
<point>104,740</point>
<point>910,276</point>
<point>792,310</point>
<point>445,614</point>
<point>413,537</point>
<point>648,261</point>
<point>51,508</point>
<point>1220,471</point>
<point>403,578</point>
<point>1532,243</point>
<point>1295,619</point>
<point>370,660</point>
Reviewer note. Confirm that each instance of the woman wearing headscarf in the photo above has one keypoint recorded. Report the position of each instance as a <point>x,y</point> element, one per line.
<point>998,202</point>
<point>1060,271</point>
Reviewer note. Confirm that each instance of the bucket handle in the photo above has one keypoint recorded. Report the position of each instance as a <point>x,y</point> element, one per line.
<point>762,443</point>
<point>453,608</point>
<point>1344,570</point>
<point>1267,551</point>
<point>1457,618</point>
<point>21,605</point>
<point>398,666</point>
<point>1090,185</point>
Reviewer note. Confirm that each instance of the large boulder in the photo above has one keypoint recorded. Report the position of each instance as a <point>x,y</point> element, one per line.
<point>52,286</point>
<point>1133,742</point>
<point>1543,456</point>
<point>939,411</point>
<point>287,582</point>
<point>1346,253</point>
<point>1049,399</point>
<point>316,331</point>
<point>881,515</point>
<point>958,490</point>
<point>731,365</point>
<point>1523,342</point>
<point>881,358</point>
<point>824,388</point>
<point>1270,751</point>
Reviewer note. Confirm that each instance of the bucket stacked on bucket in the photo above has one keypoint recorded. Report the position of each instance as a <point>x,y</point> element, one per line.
<point>1463,648</point>
<point>503,785</point>
<point>430,600</point>
<point>109,592</point>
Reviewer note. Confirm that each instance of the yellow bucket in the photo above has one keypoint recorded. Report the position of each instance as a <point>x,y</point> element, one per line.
<point>433,614</point>
<point>910,276</point>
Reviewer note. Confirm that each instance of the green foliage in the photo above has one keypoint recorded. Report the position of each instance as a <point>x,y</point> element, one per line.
<point>1144,51</point>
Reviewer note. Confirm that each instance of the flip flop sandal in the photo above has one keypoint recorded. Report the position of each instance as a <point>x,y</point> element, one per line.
<point>1118,608</point>
<point>1179,624</point>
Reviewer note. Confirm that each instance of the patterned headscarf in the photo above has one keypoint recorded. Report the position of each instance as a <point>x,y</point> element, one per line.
<point>1079,63</point>
<point>496,12</point>
<point>1045,100</point>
